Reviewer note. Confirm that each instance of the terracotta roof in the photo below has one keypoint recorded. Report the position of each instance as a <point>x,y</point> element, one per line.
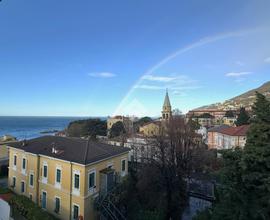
<point>235,131</point>
<point>70,149</point>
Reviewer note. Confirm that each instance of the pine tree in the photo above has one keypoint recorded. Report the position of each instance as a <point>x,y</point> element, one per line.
<point>243,117</point>
<point>245,186</point>
<point>256,161</point>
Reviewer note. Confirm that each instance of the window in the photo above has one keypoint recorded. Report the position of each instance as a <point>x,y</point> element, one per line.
<point>57,205</point>
<point>15,160</point>
<point>44,200</point>
<point>76,181</point>
<point>22,187</point>
<point>14,181</point>
<point>23,163</point>
<point>75,212</point>
<point>58,175</point>
<point>91,179</point>
<point>123,166</point>
<point>45,171</point>
<point>110,165</point>
<point>31,180</point>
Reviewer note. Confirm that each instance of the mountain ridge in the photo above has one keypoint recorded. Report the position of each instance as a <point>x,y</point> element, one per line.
<point>244,100</point>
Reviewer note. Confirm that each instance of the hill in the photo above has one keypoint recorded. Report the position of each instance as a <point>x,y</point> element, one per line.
<point>246,99</point>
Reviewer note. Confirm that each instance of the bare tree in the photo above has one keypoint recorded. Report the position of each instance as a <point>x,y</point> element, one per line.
<point>172,160</point>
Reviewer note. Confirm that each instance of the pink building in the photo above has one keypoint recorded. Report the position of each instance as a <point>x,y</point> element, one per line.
<point>228,137</point>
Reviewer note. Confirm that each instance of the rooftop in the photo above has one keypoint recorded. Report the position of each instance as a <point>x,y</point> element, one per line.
<point>70,149</point>
<point>157,122</point>
<point>235,131</point>
<point>218,128</point>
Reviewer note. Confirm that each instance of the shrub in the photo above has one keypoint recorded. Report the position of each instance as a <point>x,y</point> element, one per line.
<point>29,209</point>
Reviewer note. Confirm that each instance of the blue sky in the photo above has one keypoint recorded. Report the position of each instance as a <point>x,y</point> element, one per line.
<point>99,58</point>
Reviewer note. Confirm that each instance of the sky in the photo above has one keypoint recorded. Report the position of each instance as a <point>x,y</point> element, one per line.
<point>100,58</point>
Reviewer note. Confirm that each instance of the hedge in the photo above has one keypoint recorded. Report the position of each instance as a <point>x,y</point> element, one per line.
<point>29,209</point>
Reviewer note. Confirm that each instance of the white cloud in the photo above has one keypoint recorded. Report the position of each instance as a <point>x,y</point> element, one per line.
<point>175,83</point>
<point>158,78</point>
<point>102,75</point>
<point>237,74</point>
<point>267,60</point>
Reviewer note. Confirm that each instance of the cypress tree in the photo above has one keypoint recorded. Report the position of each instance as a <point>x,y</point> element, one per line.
<point>243,117</point>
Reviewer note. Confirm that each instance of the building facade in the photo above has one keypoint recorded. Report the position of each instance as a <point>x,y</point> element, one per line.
<point>151,129</point>
<point>112,120</point>
<point>228,137</point>
<point>212,135</point>
<point>64,175</point>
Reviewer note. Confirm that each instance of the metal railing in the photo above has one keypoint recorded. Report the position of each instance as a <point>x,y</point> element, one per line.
<point>105,204</point>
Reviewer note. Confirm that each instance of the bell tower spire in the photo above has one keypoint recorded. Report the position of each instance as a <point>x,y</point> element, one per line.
<point>167,108</point>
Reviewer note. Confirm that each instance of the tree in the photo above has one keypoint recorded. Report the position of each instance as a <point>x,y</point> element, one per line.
<point>117,129</point>
<point>88,127</point>
<point>255,164</point>
<point>141,122</point>
<point>229,114</point>
<point>160,180</point>
<point>243,117</point>
<point>244,191</point>
<point>176,112</point>
<point>194,123</point>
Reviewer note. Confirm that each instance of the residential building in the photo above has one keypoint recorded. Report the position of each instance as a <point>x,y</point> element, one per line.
<point>217,113</point>
<point>204,120</point>
<point>151,129</point>
<point>64,175</point>
<point>212,135</point>
<point>127,122</point>
<point>4,141</point>
<point>230,137</point>
<point>229,121</point>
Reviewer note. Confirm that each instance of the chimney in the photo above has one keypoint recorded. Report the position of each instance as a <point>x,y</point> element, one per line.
<point>24,143</point>
<point>54,149</point>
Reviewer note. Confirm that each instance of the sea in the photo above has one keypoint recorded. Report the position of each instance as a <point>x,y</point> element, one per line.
<point>31,127</point>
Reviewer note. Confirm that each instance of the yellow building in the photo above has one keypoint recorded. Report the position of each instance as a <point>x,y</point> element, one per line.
<point>154,128</point>
<point>229,121</point>
<point>4,141</point>
<point>64,175</point>
<point>112,120</point>
<point>151,129</point>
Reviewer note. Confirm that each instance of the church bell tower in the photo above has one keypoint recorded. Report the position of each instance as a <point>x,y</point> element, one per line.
<point>167,108</point>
